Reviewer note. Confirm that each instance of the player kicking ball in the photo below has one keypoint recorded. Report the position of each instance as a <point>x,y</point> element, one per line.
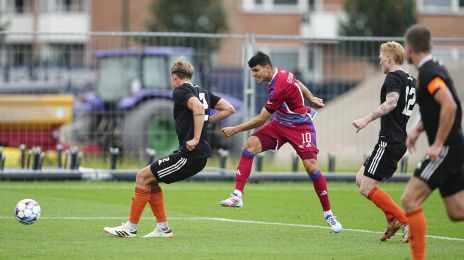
<point>192,106</point>
<point>291,122</point>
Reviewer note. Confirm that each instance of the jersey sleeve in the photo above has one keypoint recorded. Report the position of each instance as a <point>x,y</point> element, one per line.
<point>393,83</point>
<point>214,99</point>
<point>181,96</point>
<point>435,84</point>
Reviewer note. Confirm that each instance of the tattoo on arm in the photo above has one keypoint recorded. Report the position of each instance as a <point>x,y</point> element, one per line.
<point>385,107</point>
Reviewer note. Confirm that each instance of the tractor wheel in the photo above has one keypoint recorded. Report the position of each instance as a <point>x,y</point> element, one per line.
<point>150,125</point>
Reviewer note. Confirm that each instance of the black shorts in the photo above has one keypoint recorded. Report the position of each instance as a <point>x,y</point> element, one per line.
<point>176,167</point>
<point>383,161</point>
<point>447,173</point>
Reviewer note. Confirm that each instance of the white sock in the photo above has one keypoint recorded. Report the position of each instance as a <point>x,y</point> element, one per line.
<point>328,212</point>
<point>238,193</point>
<point>131,226</point>
<point>162,226</point>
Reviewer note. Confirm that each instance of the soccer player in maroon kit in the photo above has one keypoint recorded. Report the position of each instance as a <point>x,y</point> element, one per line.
<point>291,122</point>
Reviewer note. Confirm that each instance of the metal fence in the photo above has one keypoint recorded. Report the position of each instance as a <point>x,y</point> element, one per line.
<point>98,91</point>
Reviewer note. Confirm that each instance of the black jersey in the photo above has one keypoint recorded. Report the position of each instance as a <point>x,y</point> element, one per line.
<point>183,117</point>
<point>433,76</point>
<point>393,124</point>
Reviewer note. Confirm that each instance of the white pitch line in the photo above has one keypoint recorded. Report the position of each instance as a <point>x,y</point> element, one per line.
<point>239,221</point>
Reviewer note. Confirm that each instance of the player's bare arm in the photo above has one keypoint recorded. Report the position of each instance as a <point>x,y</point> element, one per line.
<point>198,111</point>
<point>224,109</point>
<point>259,120</point>
<point>318,102</point>
<point>448,109</point>
<point>413,135</point>
<point>386,107</point>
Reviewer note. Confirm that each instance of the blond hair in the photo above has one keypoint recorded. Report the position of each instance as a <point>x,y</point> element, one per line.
<point>182,68</point>
<point>395,49</point>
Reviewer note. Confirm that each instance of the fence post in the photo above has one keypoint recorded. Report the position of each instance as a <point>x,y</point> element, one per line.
<point>2,159</point>
<point>114,152</point>
<point>151,155</point>
<point>73,159</point>
<point>331,166</point>
<point>223,155</point>
<point>259,162</point>
<point>22,148</point>
<point>295,161</point>
<point>59,155</point>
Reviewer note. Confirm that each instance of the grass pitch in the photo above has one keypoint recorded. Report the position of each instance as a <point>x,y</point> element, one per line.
<point>278,221</point>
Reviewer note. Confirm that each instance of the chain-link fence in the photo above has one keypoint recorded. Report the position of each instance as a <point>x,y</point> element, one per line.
<point>98,91</point>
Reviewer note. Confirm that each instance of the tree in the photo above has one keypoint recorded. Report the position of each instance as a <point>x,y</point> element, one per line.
<point>197,16</point>
<point>377,17</point>
<point>200,16</point>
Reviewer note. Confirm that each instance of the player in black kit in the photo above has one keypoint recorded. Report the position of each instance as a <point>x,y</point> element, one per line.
<point>443,165</point>
<point>191,114</point>
<point>397,99</point>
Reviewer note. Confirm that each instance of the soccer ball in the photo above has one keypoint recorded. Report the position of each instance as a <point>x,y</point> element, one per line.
<point>27,211</point>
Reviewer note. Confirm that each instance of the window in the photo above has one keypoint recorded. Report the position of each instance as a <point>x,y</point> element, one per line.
<point>67,55</point>
<point>21,6</point>
<point>19,55</point>
<point>441,5</point>
<point>277,6</point>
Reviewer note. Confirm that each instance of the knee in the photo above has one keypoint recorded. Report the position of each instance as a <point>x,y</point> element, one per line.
<point>144,177</point>
<point>364,191</point>
<point>409,204</point>
<point>456,216</point>
<point>252,146</point>
<point>311,168</point>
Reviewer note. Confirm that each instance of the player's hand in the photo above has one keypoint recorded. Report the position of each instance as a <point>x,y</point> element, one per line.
<point>318,102</point>
<point>229,131</point>
<point>360,124</point>
<point>434,151</point>
<point>411,140</point>
<point>191,144</point>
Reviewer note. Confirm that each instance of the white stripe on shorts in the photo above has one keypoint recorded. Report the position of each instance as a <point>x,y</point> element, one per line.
<point>432,166</point>
<point>378,155</point>
<point>172,168</point>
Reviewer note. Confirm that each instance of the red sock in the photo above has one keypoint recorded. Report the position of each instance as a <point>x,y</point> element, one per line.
<point>320,187</point>
<point>384,202</point>
<point>156,202</point>
<point>139,201</point>
<point>417,231</point>
<point>243,169</point>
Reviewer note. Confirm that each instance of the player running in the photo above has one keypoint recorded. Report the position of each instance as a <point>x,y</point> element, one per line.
<point>291,122</point>
<point>191,114</point>
<point>397,99</point>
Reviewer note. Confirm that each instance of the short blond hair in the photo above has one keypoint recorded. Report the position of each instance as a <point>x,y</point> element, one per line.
<point>395,49</point>
<point>182,68</point>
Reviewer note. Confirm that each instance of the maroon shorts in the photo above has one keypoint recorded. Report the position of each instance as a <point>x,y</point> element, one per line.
<point>302,137</point>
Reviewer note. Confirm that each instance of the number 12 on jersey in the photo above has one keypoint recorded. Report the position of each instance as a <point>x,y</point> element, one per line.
<point>410,96</point>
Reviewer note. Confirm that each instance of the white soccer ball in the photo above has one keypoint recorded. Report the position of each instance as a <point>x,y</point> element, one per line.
<point>27,211</point>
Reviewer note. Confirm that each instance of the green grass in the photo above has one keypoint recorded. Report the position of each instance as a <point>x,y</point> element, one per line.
<point>74,214</point>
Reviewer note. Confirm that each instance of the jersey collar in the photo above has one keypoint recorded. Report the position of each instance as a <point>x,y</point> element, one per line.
<point>424,60</point>
<point>273,76</point>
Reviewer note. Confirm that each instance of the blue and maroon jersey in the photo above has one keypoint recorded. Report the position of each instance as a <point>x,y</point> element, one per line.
<point>286,101</point>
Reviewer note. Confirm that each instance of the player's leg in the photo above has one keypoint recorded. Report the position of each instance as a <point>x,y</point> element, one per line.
<point>249,151</point>
<point>170,169</point>
<point>414,195</point>
<point>452,191</point>
<point>320,187</point>
<point>144,181</point>
<point>382,164</point>
<point>267,137</point>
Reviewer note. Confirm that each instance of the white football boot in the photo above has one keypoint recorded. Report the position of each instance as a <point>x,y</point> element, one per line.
<point>334,224</point>
<point>120,231</point>
<point>234,201</point>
